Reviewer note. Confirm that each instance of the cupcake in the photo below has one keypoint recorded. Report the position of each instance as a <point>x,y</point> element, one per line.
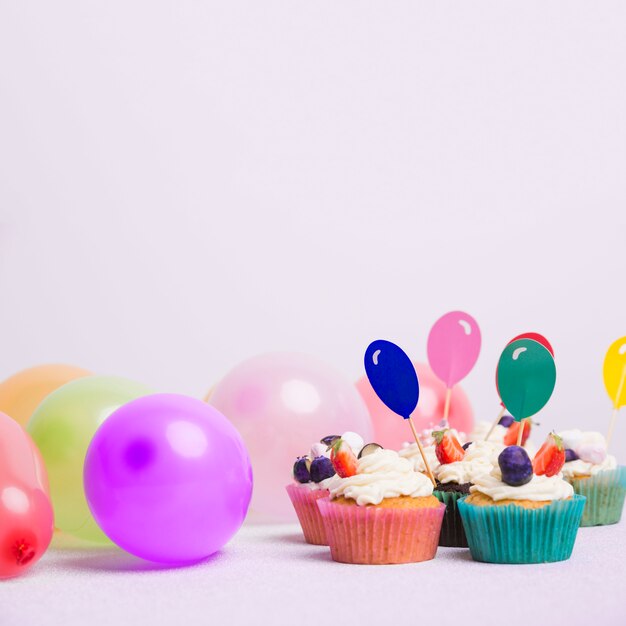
<point>594,474</point>
<point>379,509</point>
<point>523,511</point>
<point>458,468</point>
<point>311,475</point>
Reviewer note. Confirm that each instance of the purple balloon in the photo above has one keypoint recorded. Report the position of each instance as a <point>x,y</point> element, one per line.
<point>168,478</point>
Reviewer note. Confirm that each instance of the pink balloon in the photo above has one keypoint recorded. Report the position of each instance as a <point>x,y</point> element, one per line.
<point>390,430</point>
<point>26,519</point>
<point>281,404</point>
<point>453,346</point>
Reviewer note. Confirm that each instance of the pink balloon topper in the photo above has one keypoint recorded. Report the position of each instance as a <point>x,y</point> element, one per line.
<point>453,346</point>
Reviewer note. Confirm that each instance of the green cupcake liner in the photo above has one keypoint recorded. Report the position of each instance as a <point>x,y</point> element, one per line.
<point>514,534</point>
<point>605,493</point>
<point>452,531</point>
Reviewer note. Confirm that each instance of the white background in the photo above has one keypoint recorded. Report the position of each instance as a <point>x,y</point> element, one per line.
<point>186,184</point>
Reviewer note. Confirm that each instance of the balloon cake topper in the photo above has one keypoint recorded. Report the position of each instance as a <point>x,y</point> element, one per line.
<point>394,379</point>
<point>614,373</point>
<point>453,348</point>
<point>526,376</point>
<point>534,337</point>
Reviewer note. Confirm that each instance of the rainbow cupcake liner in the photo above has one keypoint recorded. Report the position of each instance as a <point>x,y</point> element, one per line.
<point>605,493</point>
<point>452,531</point>
<point>304,501</point>
<point>514,534</point>
<point>375,535</point>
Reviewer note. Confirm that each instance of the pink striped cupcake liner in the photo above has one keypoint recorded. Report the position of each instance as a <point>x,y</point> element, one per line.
<point>304,501</point>
<point>375,535</point>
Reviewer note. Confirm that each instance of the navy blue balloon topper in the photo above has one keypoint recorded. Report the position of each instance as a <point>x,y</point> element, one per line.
<point>392,376</point>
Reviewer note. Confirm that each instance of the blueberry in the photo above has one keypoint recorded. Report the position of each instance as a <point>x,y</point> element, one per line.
<point>467,445</point>
<point>301,469</point>
<point>506,420</point>
<point>321,468</point>
<point>570,455</point>
<point>515,465</point>
<point>329,439</point>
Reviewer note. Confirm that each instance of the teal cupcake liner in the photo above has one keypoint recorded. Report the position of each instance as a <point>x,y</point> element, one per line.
<point>514,534</point>
<point>605,493</point>
<point>452,531</point>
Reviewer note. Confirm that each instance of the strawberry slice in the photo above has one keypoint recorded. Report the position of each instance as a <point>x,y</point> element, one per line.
<point>448,448</point>
<point>343,458</point>
<point>510,439</point>
<point>551,456</point>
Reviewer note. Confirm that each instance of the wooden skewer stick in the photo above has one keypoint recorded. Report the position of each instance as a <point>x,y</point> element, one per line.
<point>496,422</point>
<point>609,435</point>
<point>446,406</point>
<point>520,434</point>
<point>419,445</point>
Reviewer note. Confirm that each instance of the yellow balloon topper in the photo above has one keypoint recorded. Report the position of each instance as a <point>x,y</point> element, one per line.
<point>614,372</point>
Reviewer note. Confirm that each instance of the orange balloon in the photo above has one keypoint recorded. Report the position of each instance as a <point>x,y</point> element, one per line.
<point>21,394</point>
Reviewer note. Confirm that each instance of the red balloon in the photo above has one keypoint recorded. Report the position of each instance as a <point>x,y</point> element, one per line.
<point>535,337</point>
<point>390,430</point>
<point>26,519</point>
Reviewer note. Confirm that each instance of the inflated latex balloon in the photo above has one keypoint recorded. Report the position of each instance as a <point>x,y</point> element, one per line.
<point>26,520</point>
<point>614,372</point>
<point>62,427</point>
<point>453,346</point>
<point>391,432</point>
<point>168,478</point>
<point>21,393</point>
<point>20,456</point>
<point>281,403</point>
<point>526,377</point>
<point>536,337</point>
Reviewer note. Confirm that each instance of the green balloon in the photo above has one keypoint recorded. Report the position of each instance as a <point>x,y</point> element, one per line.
<point>526,377</point>
<point>62,427</point>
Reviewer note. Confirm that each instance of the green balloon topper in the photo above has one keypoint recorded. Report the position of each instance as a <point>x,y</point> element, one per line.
<point>526,376</point>
<point>62,427</point>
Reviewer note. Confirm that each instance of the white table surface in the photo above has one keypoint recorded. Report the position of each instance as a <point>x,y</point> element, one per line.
<point>267,574</point>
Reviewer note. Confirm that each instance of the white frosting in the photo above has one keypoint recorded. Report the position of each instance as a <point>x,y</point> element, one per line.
<point>411,452</point>
<point>540,488</point>
<point>382,474</point>
<point>480,458</point>
<point>584,468</point>
<point>482,428</point>
<point>590,446</point>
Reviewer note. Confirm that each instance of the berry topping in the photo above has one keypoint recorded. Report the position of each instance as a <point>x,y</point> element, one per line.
<point>301,469</point>
<point>329,440</point>
<point>506,420</point>
<point>570,455</point>
<point>448,448</point>
<point>551,457</point>
<point>369,448</point>
<point>515,466</point>
<point>467,445</point>
<point>510,439</point>
<point>321,469</point>
<point>343,458</point>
